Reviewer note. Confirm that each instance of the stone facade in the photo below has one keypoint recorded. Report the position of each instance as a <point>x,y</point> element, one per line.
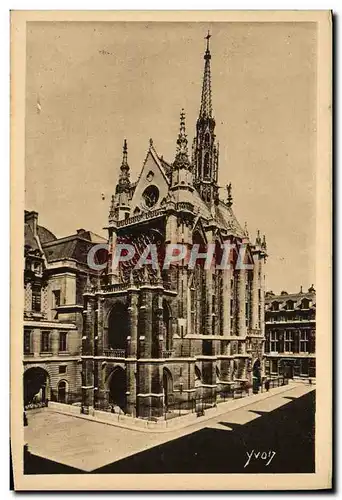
<point>55,276</point>
<point>155,336</point>
<point>290,334</point>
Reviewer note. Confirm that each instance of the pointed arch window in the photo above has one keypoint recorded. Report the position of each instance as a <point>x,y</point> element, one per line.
<point>207,140</point>
<point>206,166</point>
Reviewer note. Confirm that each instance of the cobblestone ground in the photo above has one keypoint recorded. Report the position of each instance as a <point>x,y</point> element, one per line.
<point>282,423</point>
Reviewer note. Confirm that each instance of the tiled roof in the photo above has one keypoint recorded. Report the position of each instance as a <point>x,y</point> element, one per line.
<point>45,235</point>
<point>295,297</point>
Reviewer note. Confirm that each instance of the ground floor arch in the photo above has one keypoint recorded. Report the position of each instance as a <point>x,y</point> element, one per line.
<point>167,386</point>
<point>256,371</point>
<point>36,386</point>
<point>117,388</point>
<point>62,391</point>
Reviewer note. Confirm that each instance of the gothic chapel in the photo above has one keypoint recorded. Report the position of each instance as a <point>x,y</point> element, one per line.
<point>154,338</point>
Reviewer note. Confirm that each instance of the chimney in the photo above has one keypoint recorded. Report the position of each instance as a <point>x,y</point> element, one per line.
<point>80,231</point>
<point>31,218</point>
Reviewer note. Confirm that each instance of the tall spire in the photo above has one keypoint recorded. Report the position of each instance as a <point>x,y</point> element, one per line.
<point>206,105</point>
<point>124,181</point>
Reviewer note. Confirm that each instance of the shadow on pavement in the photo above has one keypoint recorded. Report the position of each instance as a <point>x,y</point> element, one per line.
<point>288,431</point>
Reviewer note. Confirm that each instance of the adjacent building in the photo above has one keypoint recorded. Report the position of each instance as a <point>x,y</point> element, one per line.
<point>152,337</point>
<point>290,320</point>
<point>55,276</point>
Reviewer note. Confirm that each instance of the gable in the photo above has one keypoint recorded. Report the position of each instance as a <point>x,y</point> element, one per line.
<point>152,185</point>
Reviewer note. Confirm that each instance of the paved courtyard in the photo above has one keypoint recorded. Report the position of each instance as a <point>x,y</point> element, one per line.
<point>282,423</point>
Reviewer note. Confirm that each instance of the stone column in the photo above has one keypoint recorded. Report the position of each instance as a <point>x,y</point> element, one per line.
<point>241,303</point>
<point>132,344</point>
<point>133,324</point>
<point>88,350</point>
<point>145,353</point>
<point>255,293</point>
<point>99,329</point>
<point>262,297</point>
<point>113,273</point>
<point>227,293</point>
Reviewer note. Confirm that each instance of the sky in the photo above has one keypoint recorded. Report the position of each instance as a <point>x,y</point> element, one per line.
<point>90,85</point>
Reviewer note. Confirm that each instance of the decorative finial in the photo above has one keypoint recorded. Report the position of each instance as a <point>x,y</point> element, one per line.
<point>229,195</point>
<point>88,287</point>
<point>263,244</point>
<point>182,159</point>
<point>246,230</point>
<point>301,288</point>
<point>124,155</point>
<point>151,143</point>
<point>112,209</point>
<point>258,239</point>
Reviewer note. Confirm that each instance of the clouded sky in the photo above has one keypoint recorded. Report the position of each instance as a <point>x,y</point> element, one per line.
<point>90,85</point>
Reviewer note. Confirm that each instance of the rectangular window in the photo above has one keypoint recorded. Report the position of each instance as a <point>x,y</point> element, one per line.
<point>36,298</point>
<point>304,341</point>
<point>288,341</point>
<point>62,369</point>
<point>273,341</point>
<point>56,298</point>
<point>274,366</point>
<point>305,366</point>
<point>27,341</point>
<point>62,341</point>
<point>45,342</point>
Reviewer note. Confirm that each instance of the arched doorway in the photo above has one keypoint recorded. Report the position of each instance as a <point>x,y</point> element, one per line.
<point>36,386</point>
<point>118,326</point>
<point>62,392</point>
<point>167,386</point>
<point>117,388</point>
<point>256,376</point>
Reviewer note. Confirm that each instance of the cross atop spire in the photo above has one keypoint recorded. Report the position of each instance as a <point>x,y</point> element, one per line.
<point>206,106</point>
<point>207,52</point>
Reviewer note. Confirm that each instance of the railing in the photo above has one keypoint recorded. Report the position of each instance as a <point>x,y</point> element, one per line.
<point>141,217</point>
<point>184,205</point>
<point>115,353</point>
<point>117,287</point>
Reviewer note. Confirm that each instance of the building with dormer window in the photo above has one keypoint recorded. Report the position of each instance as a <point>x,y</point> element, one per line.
<point>55,277</point>
<point>290,329</point>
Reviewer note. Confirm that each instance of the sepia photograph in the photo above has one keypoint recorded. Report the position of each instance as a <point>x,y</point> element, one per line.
<point>171,250</point>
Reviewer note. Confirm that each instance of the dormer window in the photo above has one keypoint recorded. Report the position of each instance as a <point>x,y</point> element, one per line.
<point>275,306</point>
<point>305,304</point>
<point>289,305</point>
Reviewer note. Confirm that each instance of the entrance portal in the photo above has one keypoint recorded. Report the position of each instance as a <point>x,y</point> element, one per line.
<point>62,392</point>
<point>167,386</point>
<point>36,386</point>
<point>256,376</point>
<point>117,388</point>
